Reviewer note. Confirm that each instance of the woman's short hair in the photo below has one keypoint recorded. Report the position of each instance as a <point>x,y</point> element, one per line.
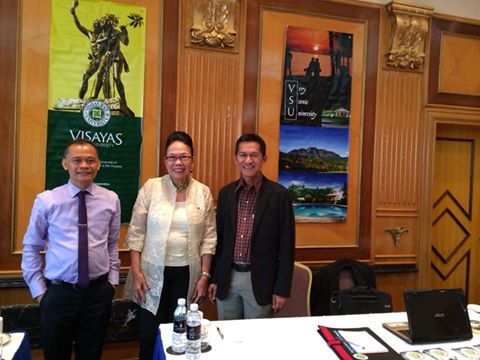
<point>179,136</point>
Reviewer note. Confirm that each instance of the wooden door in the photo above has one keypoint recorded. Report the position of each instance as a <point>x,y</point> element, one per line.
<point>456,210</point>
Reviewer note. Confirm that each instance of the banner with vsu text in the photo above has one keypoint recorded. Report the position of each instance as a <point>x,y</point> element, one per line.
<point>96,77</point>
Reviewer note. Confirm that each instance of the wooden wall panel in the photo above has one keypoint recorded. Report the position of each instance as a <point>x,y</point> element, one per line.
<point>459,72</point>
<point>395,284</point>
<point>449,103</point>
<point>31,116</point>
<point>458,276</point>
<point>386,251</point>
<point>398,165</point>
<point>208,98</point>
<point>211,112</point>
<point>455,226</point>
<point>436,118</point>
<point>398,140</point>
<point>9,11</point>
<point>445,77</point>
<point>399,132</point>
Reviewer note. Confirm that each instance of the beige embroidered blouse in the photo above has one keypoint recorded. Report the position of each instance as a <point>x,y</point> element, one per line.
<point>149,228</point>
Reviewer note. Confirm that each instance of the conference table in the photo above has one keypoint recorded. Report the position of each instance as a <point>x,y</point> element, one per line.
<point>297,338</point>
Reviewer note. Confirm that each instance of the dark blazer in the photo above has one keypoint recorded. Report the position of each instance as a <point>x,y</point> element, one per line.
<point>273,241</point>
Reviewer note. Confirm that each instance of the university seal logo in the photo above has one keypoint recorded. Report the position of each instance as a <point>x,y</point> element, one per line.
<point>96,113</point>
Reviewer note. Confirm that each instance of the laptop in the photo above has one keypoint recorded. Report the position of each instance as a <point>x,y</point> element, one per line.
<point>434,315</point>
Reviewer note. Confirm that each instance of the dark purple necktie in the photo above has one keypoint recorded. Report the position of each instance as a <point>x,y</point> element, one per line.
<point>83,279</point>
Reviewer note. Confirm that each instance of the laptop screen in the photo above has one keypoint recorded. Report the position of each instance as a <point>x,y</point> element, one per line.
<point>437,314</point>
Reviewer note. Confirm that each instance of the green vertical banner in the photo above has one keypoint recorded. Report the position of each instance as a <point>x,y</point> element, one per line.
<point>96,77</point>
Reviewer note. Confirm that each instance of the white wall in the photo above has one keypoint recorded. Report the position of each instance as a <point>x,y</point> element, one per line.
<point>463,8</point>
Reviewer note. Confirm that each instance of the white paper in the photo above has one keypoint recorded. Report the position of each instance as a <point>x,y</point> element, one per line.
<point>12,346</point>
<point>362,342</point>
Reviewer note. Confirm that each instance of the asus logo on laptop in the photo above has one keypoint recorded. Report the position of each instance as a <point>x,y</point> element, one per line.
<point>440,315</point>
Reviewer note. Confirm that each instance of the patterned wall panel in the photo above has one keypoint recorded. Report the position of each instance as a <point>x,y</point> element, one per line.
<point>398,140</point>
<point>459,73</point>
<point>211,112</point>
<point>207,82</point>
<point>454,75</point>
<point>456,276</point>
<point>454,228</point>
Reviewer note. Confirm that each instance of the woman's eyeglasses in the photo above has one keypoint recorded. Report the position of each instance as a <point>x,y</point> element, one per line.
<point>174,158</point>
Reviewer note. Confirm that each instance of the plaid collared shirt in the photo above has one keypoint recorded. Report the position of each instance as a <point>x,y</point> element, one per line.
<point>246,200</point>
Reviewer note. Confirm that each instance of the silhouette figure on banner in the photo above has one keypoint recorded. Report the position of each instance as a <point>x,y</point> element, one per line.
<point>106,58</point>
<point>288,62</point>
<point>313,69</point>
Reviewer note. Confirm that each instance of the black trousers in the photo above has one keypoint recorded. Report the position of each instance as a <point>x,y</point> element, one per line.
<point>75,319</point>
<point>175,285</point>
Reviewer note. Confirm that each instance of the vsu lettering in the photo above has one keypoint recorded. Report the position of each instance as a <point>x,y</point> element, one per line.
<point>99,137</point>
<point>291,100</point>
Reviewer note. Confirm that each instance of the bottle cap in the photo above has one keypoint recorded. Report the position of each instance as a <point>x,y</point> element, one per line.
<point>181,301</point>
<point>193,307</point>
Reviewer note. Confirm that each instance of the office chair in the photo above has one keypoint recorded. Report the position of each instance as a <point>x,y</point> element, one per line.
<point>299,302</point>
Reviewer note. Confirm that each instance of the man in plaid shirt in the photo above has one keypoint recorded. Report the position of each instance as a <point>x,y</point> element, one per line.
<point>253,265</point>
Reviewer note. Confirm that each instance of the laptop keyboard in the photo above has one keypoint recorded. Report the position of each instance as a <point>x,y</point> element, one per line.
<point>405,332</point>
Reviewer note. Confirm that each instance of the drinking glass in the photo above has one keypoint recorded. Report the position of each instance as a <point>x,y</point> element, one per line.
<point>204,331</point>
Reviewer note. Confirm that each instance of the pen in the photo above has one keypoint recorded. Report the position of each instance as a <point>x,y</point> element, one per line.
<point>352,343</point>
<point>220,332</point>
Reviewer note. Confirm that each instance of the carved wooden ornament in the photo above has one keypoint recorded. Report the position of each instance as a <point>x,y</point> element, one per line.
<point>409,28</point>
<point>214,23</point>
<point>396,232</point>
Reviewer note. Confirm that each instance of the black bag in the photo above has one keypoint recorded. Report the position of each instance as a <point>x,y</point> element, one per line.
<point>360,300</point>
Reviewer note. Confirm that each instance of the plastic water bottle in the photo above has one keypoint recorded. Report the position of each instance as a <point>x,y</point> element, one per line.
<point>193,349</point>
<point>179,337</point>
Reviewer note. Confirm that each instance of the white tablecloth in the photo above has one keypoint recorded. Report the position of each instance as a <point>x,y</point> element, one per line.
<point>295,338</point>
